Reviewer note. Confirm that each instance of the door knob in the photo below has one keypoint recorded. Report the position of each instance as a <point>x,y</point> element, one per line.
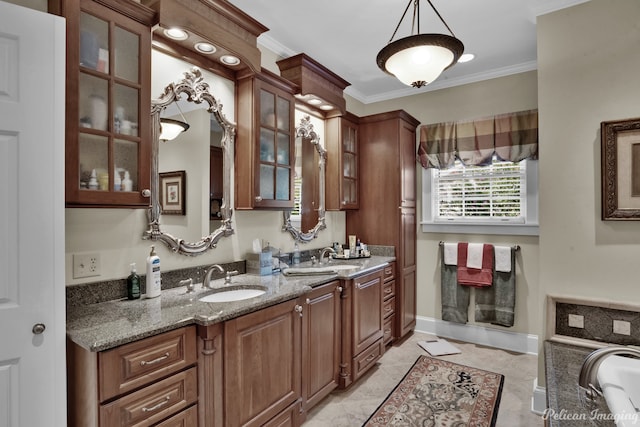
<point>38,328</point>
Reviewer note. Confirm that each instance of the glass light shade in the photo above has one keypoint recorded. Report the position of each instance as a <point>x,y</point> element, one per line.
<point>170,129</point>
<point>419,60</point>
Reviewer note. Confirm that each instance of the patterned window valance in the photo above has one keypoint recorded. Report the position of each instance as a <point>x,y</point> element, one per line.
<point>512,137</point>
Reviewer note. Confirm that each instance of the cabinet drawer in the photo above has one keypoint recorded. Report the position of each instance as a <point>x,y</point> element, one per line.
<point>388,289</point>
<point>390,271</point>
<point>153,403</point>
<point>387,329</point>
<point>134,365</point>
<point>388,307</point>
<point>367,358</point>
<point>186,418</point>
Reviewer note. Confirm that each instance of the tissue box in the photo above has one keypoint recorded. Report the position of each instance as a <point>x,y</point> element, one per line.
<point>260,263</point>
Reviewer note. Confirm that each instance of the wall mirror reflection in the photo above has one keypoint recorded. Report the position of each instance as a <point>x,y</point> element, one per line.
<point>205,153</point>
<point>307,218</point>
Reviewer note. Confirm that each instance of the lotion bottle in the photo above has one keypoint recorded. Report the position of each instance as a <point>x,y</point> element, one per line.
<point>153,274</point>
<point>296,254</point>
<point>133,283</point>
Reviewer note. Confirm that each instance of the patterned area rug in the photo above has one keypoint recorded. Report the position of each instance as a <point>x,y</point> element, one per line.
<point>438,393</point>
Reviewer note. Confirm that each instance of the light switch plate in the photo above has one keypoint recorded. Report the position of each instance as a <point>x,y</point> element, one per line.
<point>576,321</point>
<point>86,265</point>
<point>621,327</point>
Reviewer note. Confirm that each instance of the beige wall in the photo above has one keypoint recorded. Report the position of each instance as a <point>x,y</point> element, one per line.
<point>588,62</point>
<point>512,93</point>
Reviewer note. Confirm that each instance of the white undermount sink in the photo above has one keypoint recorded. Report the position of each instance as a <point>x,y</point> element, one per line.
<point>235,294</point>
<point>325,269</point>
<point>619,379</point>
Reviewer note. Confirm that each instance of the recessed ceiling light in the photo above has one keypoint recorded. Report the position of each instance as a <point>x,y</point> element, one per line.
<point>204,47</point>
<point>315,101</point>
<point>229,60</point>
<point>466,57</point>
<point>176,34</point>
<point>326,107</point>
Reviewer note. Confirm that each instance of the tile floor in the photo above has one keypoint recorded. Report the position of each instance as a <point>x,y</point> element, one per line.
<point>352,407</point>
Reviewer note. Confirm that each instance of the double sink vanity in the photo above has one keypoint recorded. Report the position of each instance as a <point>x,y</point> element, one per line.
<point>265,360</point>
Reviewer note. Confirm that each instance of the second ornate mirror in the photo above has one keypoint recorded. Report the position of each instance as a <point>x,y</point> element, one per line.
<point>195,90</point>
<point>309,182</point>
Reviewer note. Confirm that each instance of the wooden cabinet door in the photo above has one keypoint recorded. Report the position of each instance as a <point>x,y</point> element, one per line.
<point>367,311</point>
<point>108,131</point>
<point>262,364</point>
<point>265,142</point>
<point>321,343</point>
<point>406,285</point>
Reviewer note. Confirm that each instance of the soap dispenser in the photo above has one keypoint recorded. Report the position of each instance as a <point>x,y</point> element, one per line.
<point>296,255</point>
<point>133,283</point>
<point>153,274</point>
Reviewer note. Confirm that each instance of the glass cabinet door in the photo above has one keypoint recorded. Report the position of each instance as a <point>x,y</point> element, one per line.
<point>108,143</point>
<point>349,166</point>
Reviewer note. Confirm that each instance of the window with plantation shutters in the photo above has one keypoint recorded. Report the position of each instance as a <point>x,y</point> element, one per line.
<point>494,193</point>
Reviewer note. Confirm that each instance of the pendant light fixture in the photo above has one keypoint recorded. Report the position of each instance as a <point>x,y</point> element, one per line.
<point>171,128</point>
<point>419,59</point>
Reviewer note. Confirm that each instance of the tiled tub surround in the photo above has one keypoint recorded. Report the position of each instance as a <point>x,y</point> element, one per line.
<point>105,325</point>
<point>562,368</point>
<point>598,323</point>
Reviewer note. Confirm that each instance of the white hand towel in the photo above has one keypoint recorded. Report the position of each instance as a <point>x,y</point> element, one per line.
<point>451,253</point>
<point>503,258</point>
<point>474,255</point>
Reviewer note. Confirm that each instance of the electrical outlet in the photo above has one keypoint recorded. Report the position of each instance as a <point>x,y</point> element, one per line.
<point>621,327</point>
<point>576,321</point>
<point>86,265</point>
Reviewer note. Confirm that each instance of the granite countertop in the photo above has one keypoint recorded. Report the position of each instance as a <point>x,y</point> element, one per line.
<point>562,368</point>
<point>105,325</point>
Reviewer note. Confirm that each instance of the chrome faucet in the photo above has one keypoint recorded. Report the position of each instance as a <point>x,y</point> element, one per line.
<point>206,282</point>
<point>588,378</point>
<point>324,252</point>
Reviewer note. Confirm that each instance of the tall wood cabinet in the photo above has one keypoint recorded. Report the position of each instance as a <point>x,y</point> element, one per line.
<point>387,214</point>
<point>342,162</point>
<point>108,102</point>
<point>264,149</point>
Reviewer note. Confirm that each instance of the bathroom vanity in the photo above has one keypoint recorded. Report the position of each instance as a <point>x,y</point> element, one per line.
<point>261,361</point>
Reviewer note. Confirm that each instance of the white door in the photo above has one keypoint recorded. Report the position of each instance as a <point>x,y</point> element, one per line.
<point>32,364</point>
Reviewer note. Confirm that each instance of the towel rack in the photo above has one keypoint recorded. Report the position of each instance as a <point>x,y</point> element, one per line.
<point>514,247</point>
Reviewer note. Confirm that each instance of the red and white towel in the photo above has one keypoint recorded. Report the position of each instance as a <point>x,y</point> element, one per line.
<point>475,264</point>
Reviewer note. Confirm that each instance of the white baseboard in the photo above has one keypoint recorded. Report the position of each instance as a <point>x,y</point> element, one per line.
<point>539,399</point>
<point>506,340</point>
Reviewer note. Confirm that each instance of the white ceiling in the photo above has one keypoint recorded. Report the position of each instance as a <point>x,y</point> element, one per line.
<point>346,35</point>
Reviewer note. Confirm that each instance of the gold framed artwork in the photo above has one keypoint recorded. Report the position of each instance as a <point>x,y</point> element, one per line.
<point>173,192</point>
<point>620,144</point>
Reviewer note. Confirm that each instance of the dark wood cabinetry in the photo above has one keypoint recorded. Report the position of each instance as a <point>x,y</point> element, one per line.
<point>108,134</point>
<point>362,326</point>
<point>389,303</point>
<point>342,162</point>
<point>264,149</point>
<point>262,365</point>
<point>388,192</point>
<point>141,383</point>
<point>321,343</point>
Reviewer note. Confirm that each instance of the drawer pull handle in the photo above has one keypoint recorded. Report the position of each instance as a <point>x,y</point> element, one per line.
<point>158,406</point>
<point>371,357</point>
<point>339,288</point>
<point>388,291</point>
<point>154,361</point>
<point>388,309</point>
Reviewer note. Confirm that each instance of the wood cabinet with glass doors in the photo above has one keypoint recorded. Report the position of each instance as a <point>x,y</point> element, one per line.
<point>108,103</point>
<point>342,162</point>
<point>265,152</point>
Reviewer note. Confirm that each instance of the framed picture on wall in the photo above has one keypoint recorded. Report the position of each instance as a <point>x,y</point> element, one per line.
<point>620,144</point>
<point>173,192</point>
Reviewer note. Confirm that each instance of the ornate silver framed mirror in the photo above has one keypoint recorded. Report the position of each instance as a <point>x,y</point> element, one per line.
<point>309,185</point>
<point>196,91</point>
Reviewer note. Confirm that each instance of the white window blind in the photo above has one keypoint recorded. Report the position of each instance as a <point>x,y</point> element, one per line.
<point>480,194</point>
